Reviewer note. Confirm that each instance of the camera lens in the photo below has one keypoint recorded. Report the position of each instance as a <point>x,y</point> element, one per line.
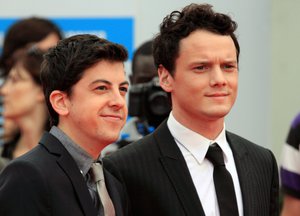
<point>159,104</point>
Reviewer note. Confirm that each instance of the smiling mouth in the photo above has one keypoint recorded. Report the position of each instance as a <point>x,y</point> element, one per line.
<point>113,117</point>
<point>218,95</point>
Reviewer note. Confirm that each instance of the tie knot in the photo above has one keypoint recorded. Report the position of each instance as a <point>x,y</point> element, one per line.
<point>215,155</point>
<point>97,172</point>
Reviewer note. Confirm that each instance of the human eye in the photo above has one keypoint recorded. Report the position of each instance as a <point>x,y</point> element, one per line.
<point>101,88</point>
<point>12,79</point>
<point>229,67</point>
<point>123,89</point>
<point>201,68</point>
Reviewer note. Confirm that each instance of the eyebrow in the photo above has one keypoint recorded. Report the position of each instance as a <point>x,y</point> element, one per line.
<point>108,82</point>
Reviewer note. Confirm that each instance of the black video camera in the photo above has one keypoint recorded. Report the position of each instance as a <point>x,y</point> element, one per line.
<point>149,102</point>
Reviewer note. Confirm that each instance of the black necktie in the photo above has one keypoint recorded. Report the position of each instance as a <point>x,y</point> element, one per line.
<point>223,182</point>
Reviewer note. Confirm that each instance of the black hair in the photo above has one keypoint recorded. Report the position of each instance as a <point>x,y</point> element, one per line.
<point>179,25</point>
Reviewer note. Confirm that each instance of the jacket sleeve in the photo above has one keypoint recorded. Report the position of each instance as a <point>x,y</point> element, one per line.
<point>23,191</point>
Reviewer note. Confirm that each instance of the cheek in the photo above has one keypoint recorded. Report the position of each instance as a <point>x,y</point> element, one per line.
<point>234,88</point>
<point>233,81</point>
<point>89,108</point>
<point>23,91</point>
<point>19,95</point>
<point>126,109</point>
<point>235,85</point>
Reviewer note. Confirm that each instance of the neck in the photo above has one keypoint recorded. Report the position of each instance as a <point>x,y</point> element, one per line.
<point>92,146</point>
<point>31,129</point>
<point>209,128</point>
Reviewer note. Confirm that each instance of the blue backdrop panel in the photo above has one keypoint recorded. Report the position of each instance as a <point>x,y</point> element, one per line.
<point>119,30</point>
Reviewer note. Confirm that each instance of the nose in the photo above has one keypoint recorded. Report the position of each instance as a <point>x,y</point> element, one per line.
<point>217,77</point>
<point>4,88</point>
<point>117,100</point>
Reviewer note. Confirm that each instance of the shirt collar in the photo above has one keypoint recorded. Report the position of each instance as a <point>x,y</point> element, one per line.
<point>81,157</point>
<point>194,142</point>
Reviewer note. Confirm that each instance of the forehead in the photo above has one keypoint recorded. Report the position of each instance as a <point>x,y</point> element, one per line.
<point>49,41</point>
<point>19,70</point>
<point>207,42</point>
<point>112,70</point>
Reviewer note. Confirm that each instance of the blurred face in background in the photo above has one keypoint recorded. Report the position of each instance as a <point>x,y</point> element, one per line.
<point>145,69</point>
<point>20,93</point>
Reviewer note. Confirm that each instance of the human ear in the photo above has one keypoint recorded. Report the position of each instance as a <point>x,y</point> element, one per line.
<point>165,78</point>
<point>59,102</point>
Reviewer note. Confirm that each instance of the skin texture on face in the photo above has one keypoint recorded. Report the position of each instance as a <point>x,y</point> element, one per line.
<point>21,93</point>
<point>205,80</point>
<point>96,110</point>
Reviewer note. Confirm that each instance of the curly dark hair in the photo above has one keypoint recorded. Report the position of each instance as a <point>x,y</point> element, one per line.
<point>179,25</point>
<point>65,64</point>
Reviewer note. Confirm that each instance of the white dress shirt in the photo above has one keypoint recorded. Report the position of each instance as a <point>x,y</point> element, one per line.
<point>194,147</point>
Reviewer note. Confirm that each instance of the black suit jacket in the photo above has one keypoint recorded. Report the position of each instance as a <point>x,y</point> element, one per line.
<point>47,181</point>
<point>158,181</point>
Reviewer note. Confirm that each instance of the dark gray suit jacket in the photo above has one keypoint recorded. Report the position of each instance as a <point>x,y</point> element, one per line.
<point>47,181</point>
<point>158,181</point>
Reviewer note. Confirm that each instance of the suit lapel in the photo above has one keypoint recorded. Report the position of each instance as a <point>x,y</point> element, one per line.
<point>68,165</point>
<point>177,171</point>
<point>114,187</point>
<point>242,163</point>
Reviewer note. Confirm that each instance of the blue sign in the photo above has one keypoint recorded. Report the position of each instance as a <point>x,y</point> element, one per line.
<point>118,30</point>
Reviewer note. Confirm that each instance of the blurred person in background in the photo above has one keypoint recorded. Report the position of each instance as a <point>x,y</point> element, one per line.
<point>290,171</point>
<point>24,102</point>
<point>148,102</point>
<point>37,30</point>
<point>45,34</point>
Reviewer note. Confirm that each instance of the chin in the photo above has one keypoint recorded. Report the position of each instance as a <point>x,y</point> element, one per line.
<point>112,138</point>
<point>218,114</point>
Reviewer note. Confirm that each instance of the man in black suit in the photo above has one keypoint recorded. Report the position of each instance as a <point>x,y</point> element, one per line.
<point>167,173</point>
<point>85,86</point>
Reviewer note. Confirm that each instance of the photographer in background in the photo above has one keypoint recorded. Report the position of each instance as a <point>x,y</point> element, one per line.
<point>148,104</point>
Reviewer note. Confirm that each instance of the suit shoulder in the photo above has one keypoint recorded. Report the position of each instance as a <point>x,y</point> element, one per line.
<point>21,182</point>
<point>38,156</point>
<point>250,146</point>
<point>136,151</point>
<point>28,162</point>
<point>141,144</point>
<point>20,175</point>
<point>31,164</point>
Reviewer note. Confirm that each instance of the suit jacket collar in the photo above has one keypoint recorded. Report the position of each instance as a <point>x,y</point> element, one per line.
<point>243,165</point>
<point>68,165</point>
<point>177,171</point>
<point>114,187</point>
<point>239,151</point>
